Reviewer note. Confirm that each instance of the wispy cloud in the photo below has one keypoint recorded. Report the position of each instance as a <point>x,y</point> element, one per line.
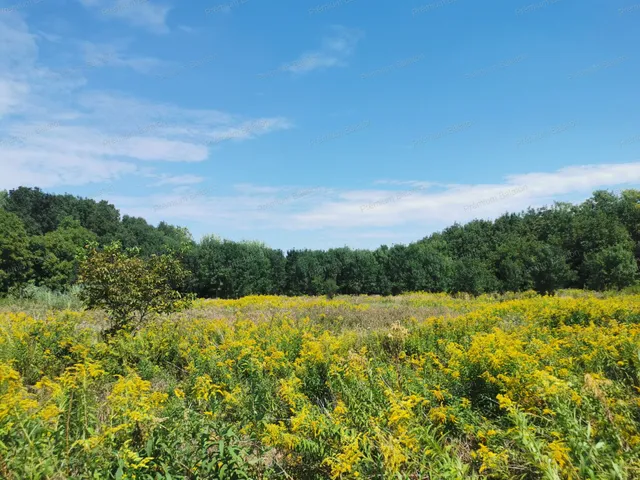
<point>115,55</point>
<point>335,51</point>
<point>347,215</point>
<point>57,131</point>
<point>250,129</point>
<point>178,180</point>
<point>19,6</point>
<point>225,7</point>
<point>451,203</point>
<point>632,8</point>
<point>141,13</point>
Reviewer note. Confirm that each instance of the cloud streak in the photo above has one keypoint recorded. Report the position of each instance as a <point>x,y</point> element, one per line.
<point>349,215</point>
<point>151,16</point>
<point>335,51</point>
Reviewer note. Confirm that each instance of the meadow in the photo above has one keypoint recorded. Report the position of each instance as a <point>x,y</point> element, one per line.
<point>417,386</point>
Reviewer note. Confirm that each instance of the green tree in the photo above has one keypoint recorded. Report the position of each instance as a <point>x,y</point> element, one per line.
<point>135,232</point>
<point>428,267</point>
<point>330,288</point>
<point>131,288</point>
<point>176,239</point>
<point>550,270</point>
<point>56,254</point>
<point>33,207</point>
<point>611,267</point>
<point>396,269</point>
<point>355,272</point>
<point>227,269</point>
<point>383,283</point>
<point>513,264</point>
<point>15,257</point>
<point>473,276</point>
<point>305,271</point>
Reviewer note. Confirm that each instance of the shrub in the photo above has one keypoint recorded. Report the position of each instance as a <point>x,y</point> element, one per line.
<point>130,288</point>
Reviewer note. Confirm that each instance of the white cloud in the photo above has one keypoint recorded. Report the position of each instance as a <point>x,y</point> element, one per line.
<point>55,131</point>
<point>335,51</point>
<point>113,55</point>
<point>140,13</point>
<point>411,213</point>
<point>465,202</point>
<point>18,47</point>
<point>250,129</point>
<point>178,180</point>
<point>12,94</point>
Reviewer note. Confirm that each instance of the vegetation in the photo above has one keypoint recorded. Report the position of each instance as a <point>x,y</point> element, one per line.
<point>514,386</point>
<point>130,288</point>
<point>594,245</point>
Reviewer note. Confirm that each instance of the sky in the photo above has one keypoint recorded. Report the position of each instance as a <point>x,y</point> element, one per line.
<point>320,124</point>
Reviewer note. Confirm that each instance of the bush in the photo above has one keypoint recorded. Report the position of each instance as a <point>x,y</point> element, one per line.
<point>130,288</point>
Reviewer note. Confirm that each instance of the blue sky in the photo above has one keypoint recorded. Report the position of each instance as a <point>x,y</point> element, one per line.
<point>320,124</point>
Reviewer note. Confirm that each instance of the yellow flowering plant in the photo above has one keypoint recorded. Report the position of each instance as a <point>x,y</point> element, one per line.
<point>500,387</point>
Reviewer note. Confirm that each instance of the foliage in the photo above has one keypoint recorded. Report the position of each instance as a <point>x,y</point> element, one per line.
<point>15,257</point>
<point>130,288</point>
<point>55,254</point>
<point>611,267</point>
<point>517,386</point>
<point>589,245</point>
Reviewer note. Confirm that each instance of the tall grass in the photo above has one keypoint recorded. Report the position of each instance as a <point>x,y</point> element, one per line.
<point>32,298</point>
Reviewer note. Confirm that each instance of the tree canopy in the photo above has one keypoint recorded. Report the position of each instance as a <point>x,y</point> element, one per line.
<point>594,245</point>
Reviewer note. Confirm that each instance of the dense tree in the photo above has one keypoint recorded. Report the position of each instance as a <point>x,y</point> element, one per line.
<point>428,267</point>
<point>278,266</point>
<point>55,254</point>
<point>305,272</point>
<point>474,276</point>
<point>383,281</point>
<point>595,244</point>
<point>354,271</point>
<point>42,212</point>
<point>397,269</point>
<point>230,269</point>
<point>135,232</point>
<point>35,208</point>
<point>15,257</point>
<point>610,267</point>
<point>549,269</point>
<point>176,239</point>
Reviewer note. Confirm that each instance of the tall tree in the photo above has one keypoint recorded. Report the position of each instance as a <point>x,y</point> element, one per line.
<point>15,257</point>
<point>55,254</point>
<point>612,267</point>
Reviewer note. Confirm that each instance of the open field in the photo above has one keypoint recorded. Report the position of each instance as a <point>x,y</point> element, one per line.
<point>419,386</point>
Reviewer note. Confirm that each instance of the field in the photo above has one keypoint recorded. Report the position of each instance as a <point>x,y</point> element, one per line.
<point>419,386</point>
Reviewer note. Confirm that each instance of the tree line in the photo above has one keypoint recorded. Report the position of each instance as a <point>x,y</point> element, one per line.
<point>593,245</point>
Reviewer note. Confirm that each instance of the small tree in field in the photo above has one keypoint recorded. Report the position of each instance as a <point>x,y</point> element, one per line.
<point>130,288</point>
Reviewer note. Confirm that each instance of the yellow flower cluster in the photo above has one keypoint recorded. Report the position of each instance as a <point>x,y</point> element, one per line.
<point>488,387</point>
